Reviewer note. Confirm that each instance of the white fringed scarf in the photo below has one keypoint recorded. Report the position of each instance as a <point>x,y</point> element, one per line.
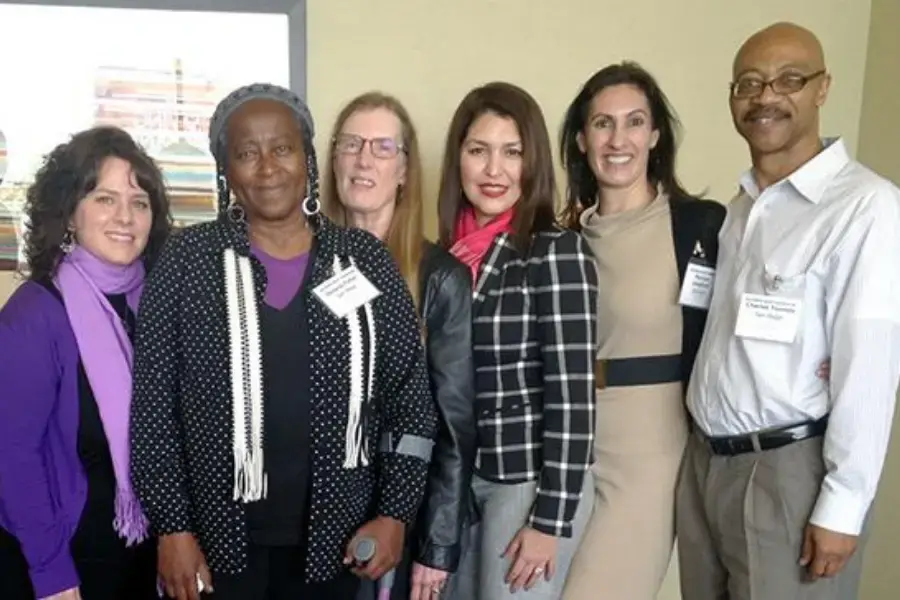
<point>246,379</point>
<point>250,480</point>
<point>356,451</point>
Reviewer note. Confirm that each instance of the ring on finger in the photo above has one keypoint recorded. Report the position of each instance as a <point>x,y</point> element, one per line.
<point>539,570</point>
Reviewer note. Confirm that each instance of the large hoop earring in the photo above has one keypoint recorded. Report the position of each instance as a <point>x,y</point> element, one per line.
<point>311,206</point>
<point>68,242</point>
<point>236,212</point>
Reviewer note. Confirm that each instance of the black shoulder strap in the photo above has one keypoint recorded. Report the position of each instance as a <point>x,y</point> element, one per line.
<point>684,234</point>
<point>693,222</point>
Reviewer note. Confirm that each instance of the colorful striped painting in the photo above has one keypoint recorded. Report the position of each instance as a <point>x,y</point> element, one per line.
<point>2,156</point>
<point>9,241</point>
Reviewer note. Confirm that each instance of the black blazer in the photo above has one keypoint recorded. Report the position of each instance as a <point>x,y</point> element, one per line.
<point>534,335</point>
<point>446,307</point>
<point>694,220</point>
<point>181,455</point>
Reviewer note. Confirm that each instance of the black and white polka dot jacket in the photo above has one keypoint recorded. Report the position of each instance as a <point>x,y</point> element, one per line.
<point>183,464</point>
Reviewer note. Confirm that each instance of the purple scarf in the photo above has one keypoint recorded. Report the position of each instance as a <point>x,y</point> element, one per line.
<point>106,354</point>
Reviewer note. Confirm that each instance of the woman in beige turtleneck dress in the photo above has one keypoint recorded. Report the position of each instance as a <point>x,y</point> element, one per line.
<point>643,228</point>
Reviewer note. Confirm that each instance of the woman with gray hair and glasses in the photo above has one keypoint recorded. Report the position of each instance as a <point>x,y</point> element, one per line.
<point>281,405</point>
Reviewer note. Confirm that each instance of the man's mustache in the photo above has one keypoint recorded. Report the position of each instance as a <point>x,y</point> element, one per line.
<point>766,112</point>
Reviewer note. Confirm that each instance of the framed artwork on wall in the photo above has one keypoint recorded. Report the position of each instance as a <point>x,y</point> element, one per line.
<point>155,72</point>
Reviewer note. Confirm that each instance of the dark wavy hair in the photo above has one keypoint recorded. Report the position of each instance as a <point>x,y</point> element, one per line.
<point>68,174</point>
<point>535,211</point>
<point>582,188</point>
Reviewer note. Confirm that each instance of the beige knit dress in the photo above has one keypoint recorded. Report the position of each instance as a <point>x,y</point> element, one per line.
<point>641,430</point>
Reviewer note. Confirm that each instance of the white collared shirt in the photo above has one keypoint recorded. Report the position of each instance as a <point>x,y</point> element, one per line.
<point>828,235</point>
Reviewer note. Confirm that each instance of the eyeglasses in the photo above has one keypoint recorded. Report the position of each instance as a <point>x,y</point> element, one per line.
<point>381,147</point>
<point>783,85</point>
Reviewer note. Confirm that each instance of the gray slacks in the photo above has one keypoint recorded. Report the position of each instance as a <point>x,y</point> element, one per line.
<point>740,523</point>
<point>504,510</point>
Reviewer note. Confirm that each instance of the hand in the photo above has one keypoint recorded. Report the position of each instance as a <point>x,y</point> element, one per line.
<point>427,583</point>
<point>532,554</point>
<point>824,370</point>
<point>825,552</point>
<point>70,594</point>
<point>180,563</point>
<point>388,535</point>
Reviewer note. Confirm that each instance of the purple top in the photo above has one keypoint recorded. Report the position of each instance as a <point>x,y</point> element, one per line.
<point>42,482</point>
<point>284,276</point>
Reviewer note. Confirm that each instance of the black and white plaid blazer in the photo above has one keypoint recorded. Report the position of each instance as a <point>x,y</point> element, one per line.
<point>534,339</point>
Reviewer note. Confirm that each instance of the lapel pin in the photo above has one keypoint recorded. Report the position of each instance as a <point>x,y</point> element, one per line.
<point>698,250</point>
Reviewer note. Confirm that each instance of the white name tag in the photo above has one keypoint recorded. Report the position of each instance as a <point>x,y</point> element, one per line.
<point>345,292</point>
<point>770,318</point>
<point>697,289</point>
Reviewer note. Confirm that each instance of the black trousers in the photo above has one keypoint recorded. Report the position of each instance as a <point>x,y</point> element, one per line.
<point>277,573</point>
<point>106,573</point>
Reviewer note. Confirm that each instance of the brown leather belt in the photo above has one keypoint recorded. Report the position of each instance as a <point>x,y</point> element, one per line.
<point>639,370</point>
<point>771,439</point>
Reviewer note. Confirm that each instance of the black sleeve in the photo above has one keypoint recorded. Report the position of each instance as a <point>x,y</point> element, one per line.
<point>452,374</point>
<point>157,467</point>
<point>404,396</point>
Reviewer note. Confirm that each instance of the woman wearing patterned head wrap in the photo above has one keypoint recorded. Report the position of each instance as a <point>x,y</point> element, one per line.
<point>281,404</point>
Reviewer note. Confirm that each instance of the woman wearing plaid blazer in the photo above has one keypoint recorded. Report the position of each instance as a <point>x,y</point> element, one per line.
<point>534,318</point>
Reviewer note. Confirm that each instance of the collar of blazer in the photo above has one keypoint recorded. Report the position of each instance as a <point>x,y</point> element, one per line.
<point>498,254</point>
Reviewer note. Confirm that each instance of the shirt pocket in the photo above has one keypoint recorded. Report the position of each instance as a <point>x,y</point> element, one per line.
<point>785,285</point>
<point>513,414</point>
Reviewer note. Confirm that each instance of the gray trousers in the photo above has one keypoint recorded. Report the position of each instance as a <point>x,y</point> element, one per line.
<point>740,522</point>
<point>504,510</point>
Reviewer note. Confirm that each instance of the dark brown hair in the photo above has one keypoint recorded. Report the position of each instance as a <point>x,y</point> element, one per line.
<point>69,173</point>
<point>582,188</point>
<point>405,239</point>
<point>535,210</point>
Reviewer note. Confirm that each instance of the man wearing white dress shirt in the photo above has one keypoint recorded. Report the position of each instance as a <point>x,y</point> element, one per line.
<point>783,466</point>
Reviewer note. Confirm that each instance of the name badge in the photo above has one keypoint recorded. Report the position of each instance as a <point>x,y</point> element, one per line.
<point>697,289</point>
<point>770,318</point>
<point>345,292</point>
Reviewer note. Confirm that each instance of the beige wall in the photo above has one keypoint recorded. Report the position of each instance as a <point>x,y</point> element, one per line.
<point>7,284</point>
<point>879,130</point>
<point>879,136</point>
<point>431,53</point>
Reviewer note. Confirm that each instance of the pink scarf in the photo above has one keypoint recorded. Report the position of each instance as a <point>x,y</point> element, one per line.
<point>472,241</point>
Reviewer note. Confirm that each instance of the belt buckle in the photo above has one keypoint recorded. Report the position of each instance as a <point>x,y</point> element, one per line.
<point>728,446</point>
<point>600,373</point>
<point>734,445</point>
<point>744,444</point>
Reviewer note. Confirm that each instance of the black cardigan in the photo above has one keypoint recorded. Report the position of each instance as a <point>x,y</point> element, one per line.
<point>694,220</point>
<point>182,456</point>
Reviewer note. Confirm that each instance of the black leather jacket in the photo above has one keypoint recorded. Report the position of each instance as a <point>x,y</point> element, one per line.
<point>446,298</point>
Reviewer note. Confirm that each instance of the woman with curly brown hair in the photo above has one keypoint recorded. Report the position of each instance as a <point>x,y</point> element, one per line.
<point>71,526</point>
